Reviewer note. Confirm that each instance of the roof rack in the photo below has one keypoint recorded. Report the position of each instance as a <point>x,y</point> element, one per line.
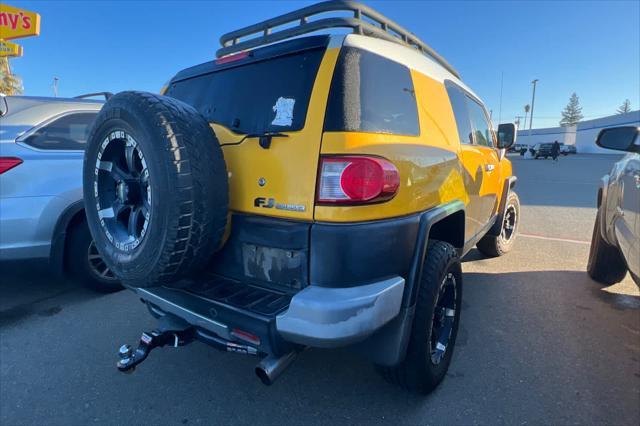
<point>380,27</point>
<point>106,95</point>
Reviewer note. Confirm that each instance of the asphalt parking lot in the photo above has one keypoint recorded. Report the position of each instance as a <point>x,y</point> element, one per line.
<point>539,343</point>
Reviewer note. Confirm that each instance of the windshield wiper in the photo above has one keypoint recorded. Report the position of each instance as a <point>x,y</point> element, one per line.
<point>264,139</point>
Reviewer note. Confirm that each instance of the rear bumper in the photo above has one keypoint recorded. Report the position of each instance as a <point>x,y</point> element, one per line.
<point>315,316</point>
<point>330,317</point>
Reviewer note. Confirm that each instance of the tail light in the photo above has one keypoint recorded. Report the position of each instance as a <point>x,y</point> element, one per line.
<point>357,180</point>
<point>8,163</point>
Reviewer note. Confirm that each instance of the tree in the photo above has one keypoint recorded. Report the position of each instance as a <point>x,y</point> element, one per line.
<point>625,107</point>
<point>572,113</point>
<point>10,84</point>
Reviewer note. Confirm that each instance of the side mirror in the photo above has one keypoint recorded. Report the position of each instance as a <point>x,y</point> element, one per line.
<point>506,135</point>
<point>619,138</point>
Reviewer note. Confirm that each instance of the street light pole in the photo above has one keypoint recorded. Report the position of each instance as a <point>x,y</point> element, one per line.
<point>533,100</point>
<point>518,120</point>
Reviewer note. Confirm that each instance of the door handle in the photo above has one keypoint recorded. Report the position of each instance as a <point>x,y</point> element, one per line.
<point>489,167</point>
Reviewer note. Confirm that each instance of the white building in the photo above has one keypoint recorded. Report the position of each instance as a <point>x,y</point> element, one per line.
<point>583,135</point>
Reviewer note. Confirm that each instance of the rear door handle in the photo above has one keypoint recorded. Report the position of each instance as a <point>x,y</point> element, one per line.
<point>489,168</point>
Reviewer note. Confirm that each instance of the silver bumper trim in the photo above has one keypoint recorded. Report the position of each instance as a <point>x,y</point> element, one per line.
<point>332,317</point>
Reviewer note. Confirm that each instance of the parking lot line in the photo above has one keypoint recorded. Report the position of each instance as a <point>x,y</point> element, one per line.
<point>564,240</point>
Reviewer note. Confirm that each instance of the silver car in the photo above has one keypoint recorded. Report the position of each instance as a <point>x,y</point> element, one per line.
<point>615,245</point>
<point>41,206</point>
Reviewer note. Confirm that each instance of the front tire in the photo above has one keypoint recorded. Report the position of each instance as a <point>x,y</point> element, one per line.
<point>494,246</point>
<point>435,325</point>
<point>606,264</point>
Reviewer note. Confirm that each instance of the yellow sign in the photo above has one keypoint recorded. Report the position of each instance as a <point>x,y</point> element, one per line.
<point>18,23</point>
<point>10,49</point>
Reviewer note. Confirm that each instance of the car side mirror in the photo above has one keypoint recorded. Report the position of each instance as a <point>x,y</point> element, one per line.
<point>506,135</point>
<point>619,138</point>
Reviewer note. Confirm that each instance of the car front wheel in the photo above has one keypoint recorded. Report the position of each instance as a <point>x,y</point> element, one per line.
<point>497,245</point>
<point>85,263</point>
<point>606,264</point>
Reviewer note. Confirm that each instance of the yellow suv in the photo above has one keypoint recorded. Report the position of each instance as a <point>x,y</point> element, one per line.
<point>303,191</point>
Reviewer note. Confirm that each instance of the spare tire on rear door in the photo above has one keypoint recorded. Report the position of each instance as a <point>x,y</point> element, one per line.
<point>155,188</point>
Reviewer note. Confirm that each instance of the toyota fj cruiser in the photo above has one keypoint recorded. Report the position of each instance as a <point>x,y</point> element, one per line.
<point>314,191</point>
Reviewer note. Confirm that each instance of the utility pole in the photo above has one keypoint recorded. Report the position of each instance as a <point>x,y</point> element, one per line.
<point>500,108</point>
<point>55,87</point>
<point>533,100</point>
<point>518,121</point>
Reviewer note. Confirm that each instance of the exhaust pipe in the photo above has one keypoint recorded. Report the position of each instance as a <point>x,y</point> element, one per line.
<point>271,367</point>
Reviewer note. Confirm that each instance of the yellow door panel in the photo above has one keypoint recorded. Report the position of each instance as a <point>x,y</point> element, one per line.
<point>491,184</point>
<point>473,165</point>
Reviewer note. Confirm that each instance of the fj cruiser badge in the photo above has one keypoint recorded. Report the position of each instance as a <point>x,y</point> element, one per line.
<point>269,203</point>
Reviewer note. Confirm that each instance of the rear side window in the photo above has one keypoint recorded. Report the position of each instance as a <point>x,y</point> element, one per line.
<point>471,119</point>
<point>461,113</point>
<point>69,132</point>
<point>265,96</point>
<point>370,93</point>
<point>483,132</point>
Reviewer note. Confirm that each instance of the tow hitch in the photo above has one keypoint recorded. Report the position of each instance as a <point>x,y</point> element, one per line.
<point>174,332</point>
<point>171,331</point>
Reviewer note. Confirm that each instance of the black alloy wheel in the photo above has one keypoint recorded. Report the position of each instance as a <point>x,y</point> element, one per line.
<point>443,321</point>
<point>123,191</point>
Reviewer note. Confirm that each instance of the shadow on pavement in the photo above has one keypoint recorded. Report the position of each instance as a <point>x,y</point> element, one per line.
<point>29,287</point>
<point>473,255</point>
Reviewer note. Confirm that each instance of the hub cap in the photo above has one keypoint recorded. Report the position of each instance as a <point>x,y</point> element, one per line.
<point>509,224</point>
<point>444,316</point>
<point>122,190</point>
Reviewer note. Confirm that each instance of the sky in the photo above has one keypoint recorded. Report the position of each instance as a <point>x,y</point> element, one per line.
<point>591,48</point>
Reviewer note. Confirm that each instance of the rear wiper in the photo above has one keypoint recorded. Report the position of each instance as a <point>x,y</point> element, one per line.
<point>264,139</point>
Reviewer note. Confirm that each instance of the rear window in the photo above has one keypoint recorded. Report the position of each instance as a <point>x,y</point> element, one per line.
<point>69,132</point>
<point>270,95</point>
<point>370,93</point>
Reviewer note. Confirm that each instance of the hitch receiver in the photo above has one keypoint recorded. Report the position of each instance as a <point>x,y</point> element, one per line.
<point>171,331</point>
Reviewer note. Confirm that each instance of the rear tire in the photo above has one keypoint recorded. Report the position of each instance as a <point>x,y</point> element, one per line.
<point>495,246</point>
<point>436,321</point>
<point>155,188</point>
<point>606,264</point>
<point>82,264</point>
